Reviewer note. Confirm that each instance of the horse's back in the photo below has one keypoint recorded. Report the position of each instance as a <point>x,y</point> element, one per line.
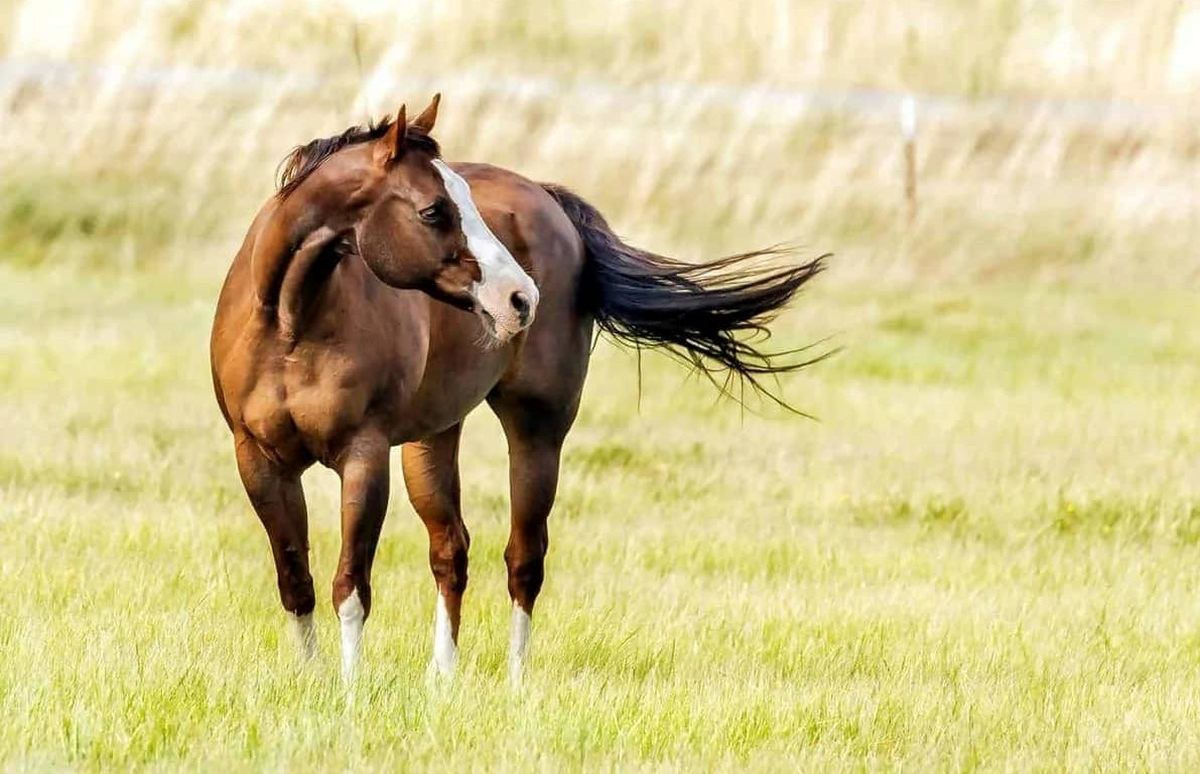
<point>528,220</point>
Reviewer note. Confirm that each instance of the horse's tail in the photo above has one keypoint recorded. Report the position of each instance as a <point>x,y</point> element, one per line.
<point>708,314</point>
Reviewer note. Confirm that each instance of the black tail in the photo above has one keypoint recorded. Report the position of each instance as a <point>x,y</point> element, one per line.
<point>712,315</point>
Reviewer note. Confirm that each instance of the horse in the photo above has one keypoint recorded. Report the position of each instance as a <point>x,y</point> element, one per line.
<point>382,294</point>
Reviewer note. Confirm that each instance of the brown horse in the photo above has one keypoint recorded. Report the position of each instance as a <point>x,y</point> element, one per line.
<point>382,294</point>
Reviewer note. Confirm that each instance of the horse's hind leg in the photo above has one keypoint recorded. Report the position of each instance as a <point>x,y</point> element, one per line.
<point>535,430</point>
<point>431,476</point>
<point>278,499</point>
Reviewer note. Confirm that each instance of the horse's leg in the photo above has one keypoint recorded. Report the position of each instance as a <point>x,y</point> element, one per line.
<point>431,476</point>
<point>535,430</point>
<point>363,467</point>
<point>278,499</point>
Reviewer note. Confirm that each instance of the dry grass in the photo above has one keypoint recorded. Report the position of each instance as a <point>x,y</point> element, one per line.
<point>679,121</point>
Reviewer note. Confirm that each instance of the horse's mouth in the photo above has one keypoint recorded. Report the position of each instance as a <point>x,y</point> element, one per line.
<point>495,333</point>
<point>489,327</point>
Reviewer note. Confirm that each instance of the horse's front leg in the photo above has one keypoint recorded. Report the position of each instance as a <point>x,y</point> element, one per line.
<point>363,468</point>
<point>278,499</point>
<point>431,476</point>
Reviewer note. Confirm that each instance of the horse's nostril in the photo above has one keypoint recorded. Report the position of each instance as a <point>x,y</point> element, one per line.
<point>520,302</point>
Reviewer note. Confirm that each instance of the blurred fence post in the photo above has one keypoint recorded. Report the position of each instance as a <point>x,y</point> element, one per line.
<point>908,128</point>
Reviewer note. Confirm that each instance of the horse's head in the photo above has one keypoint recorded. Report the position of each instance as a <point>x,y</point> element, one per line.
<point>420,229</point>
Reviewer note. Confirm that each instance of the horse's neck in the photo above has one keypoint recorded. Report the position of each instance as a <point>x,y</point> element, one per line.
<point>288,255</point>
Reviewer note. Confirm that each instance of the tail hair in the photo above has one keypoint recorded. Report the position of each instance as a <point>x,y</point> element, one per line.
<point>713,316</point>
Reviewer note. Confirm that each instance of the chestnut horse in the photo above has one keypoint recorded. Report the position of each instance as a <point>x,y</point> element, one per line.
<point>382,294</point>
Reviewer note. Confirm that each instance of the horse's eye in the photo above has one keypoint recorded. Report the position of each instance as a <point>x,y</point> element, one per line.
<point>435,214</point>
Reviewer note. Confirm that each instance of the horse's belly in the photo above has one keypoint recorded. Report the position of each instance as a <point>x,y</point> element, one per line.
<point>456,380</point>
<point>434,414</point>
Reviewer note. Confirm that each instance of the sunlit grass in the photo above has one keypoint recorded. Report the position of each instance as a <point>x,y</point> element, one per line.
<point>981,555</point>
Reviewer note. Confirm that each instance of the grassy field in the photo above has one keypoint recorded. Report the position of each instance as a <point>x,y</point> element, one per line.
<point>984,555</point>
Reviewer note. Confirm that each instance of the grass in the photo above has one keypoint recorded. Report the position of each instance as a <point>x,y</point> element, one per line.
<point>982,556</point>
<point>1089,48</point>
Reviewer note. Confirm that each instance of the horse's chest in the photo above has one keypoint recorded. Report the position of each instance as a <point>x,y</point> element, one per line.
<point>310,405</point>
<point>329,398</point>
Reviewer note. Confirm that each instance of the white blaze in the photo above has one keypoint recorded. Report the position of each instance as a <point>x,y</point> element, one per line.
<point>518,644</point>
<point>445,652</point>
<point>502,275</point>
<point>352,614</point>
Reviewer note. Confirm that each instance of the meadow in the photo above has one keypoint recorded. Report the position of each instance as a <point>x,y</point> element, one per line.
<point>983,553</point>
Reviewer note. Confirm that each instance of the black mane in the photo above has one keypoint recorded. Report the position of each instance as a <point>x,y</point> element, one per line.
<point>304,159</point>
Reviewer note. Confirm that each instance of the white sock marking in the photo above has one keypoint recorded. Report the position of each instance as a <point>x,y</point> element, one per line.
<point>445,652</point>
<point>518,644</point>
<point>352,614</point>
<point>303,634</point>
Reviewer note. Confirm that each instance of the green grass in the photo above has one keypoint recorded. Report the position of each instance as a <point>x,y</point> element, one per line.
<point>983,556</point>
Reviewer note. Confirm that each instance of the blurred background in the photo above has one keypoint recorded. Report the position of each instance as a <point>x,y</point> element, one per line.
<point>1055,139</point>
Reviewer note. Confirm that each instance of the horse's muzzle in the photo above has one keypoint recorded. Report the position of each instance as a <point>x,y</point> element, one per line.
<point>508,310</point>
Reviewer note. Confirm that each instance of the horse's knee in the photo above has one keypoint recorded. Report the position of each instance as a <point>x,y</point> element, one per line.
<point>295,582</point>
<point>297,597</point>
<point>526,571</point>
<point>346,587</point>
<point>448,561</point>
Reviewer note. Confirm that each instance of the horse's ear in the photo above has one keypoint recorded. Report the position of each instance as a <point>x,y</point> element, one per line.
<point>391,145</point>
<point>428,116</point>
